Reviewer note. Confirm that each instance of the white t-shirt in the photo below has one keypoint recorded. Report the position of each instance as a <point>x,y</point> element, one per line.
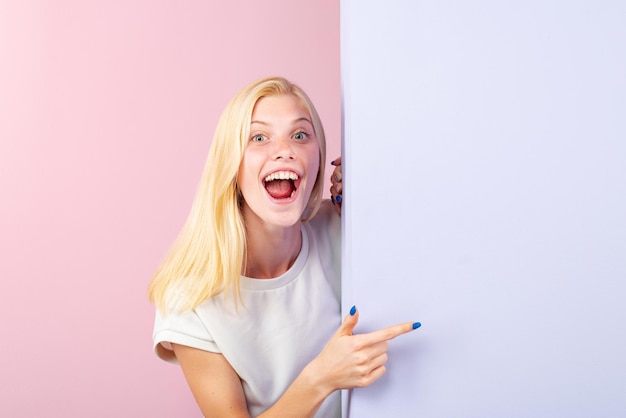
<point>283,324</point>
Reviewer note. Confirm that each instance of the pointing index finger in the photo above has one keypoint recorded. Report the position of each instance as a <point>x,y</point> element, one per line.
<point>389,333</point>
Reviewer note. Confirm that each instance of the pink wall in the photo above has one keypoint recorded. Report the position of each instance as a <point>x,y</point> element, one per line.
<point>106,113</point>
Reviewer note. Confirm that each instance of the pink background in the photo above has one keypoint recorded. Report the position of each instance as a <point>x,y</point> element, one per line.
<point>107,109</point>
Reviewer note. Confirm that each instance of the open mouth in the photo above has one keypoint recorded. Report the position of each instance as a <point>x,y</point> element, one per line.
<point>281,184</point>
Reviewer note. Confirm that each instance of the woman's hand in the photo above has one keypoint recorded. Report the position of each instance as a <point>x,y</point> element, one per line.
<point>348,361</point>
<point>336,188</point>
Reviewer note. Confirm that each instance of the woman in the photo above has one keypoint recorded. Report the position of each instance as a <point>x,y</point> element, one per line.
<point>248,296</point>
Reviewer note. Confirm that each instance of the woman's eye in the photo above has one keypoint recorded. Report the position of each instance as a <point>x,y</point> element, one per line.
<point>258,138</point>
<point>301,136</point>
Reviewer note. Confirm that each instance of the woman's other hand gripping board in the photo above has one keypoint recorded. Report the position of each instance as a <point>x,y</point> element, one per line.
<point>336,188</point>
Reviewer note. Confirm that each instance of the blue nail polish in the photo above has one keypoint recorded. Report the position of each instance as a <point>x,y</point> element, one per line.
<point>332,163</point>
<point>352,311</point>
<point>338,198</point>
<point>416,325</point>
<point>332,200</point>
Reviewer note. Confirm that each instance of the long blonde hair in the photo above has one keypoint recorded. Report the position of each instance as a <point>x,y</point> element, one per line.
<point>207,257</point>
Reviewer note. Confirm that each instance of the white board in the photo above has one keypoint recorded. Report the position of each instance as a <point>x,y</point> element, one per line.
<point>485,174</point>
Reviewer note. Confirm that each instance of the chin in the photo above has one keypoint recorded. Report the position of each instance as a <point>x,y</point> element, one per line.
<point>285,218</point>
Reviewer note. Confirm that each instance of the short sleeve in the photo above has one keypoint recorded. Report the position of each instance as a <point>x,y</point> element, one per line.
<point>184,328</point>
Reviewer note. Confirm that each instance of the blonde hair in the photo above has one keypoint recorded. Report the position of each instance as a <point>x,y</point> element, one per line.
<point>208,256</point>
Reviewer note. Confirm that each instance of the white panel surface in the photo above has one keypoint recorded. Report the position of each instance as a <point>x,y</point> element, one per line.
<point>485,196</point>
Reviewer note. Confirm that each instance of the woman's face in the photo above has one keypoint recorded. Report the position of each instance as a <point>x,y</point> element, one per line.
<point>280,163</point>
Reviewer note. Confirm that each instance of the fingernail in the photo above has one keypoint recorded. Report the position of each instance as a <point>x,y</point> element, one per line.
<point>338,199</point>
<point>333,162</point>
<point>352,311</point>
<point>416,325</point>
<point>332,199</point>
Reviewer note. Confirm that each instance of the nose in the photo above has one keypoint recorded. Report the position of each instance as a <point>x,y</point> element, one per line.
<point>284,150</point>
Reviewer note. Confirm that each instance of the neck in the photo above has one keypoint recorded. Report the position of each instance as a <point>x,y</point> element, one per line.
<point>271,250</point>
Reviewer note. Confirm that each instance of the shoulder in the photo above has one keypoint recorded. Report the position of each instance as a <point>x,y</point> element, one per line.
<point>325,227</point>
<point>325,231</point>
<point>326,220</point>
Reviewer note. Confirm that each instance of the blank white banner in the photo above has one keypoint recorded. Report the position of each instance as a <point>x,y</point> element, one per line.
<point>485,196</point>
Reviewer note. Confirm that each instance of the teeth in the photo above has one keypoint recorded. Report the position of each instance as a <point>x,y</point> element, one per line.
<point>281,175</point>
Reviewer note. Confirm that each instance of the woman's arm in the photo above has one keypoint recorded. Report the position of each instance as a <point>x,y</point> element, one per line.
<point>347,361</point>
<point>213,382</point>
<point>217,388</point>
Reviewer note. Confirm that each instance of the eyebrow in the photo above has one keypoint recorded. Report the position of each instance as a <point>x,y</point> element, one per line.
<point>294,121</point>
